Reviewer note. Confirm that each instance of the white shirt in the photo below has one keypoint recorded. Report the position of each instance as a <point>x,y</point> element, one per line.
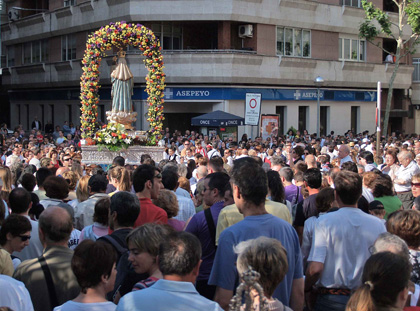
<point>308,233</point>
<point>341,242</point>
<point>406,173</point>
<point>347,158</point>
<point>14,294</point>
<point>213,153</point>
<point>35,161</point>
<point>186,208</point>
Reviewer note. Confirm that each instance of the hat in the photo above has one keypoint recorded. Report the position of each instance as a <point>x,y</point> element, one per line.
<point>376,205</point>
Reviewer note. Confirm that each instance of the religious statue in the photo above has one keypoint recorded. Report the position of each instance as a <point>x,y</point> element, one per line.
<point>122,80</point>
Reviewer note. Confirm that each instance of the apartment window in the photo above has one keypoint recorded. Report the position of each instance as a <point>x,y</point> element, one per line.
<point>293,42</point>
<point>69,2</point>
<point>10,56</point>
<point>416,72</point>
<point>68,47</point>
<point>35,52</point>
<point>169,35</point>
<point>354,3</point>
<point>352,49</point>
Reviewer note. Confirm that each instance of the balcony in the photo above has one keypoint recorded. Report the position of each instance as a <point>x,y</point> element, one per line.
<point>220,67</point>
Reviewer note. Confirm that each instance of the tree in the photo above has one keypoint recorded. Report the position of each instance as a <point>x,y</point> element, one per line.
<point>378,22</point>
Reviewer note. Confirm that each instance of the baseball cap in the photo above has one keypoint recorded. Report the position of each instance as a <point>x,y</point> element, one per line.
<point>376,205</point>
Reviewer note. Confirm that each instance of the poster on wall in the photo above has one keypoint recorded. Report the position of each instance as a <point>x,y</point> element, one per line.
<point>252,108</point>
<point>269,125</point>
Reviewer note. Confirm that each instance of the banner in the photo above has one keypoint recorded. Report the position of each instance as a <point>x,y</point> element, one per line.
<point>252,108</point>
<point>269,125</point>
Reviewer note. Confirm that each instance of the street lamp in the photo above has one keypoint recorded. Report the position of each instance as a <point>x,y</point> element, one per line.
<point>319,81</point>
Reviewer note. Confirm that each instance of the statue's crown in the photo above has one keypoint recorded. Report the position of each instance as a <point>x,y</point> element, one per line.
<point>121,53</point>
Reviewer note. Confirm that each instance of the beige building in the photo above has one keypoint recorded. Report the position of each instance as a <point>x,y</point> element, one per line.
<point>214,52</point>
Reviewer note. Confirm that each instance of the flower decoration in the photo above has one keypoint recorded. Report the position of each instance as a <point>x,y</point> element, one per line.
<point>121,34</point>
<point>113,136</point>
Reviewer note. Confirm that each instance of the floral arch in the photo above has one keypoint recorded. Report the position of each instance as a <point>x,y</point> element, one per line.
<point>120,35</point>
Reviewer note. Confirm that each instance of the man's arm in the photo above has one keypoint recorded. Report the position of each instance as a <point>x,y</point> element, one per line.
<point>297,296</point>
<point>223,297</point>
<point>313,273</point>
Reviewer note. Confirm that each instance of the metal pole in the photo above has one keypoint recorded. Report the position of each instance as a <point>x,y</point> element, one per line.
<point>378,121</point>
<point>318,108</point>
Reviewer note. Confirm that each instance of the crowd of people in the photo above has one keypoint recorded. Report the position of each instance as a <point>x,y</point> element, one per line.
<point>296,222</point>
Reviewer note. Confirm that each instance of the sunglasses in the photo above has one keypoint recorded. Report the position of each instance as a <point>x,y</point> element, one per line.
<point>306,153</point>
<point>205,189</point>
<point>68,159</point>
<point>25,237</point>
<point>158,176</point>
<point>416,184</point>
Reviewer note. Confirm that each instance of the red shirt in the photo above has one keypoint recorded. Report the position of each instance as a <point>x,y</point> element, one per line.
<point>150,213</point>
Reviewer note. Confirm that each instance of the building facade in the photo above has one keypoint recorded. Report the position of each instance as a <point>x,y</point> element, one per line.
<point>214,52</point>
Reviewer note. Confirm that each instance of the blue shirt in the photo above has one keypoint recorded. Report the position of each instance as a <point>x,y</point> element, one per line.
<point>167,295</point>
<point>198,227</point>
<point>224,273</point>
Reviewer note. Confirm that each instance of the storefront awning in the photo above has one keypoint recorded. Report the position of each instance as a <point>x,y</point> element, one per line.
<point>217,118</point>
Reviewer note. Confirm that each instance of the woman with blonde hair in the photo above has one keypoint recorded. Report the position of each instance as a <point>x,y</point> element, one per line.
<point>82,191</point>
<point>7,179</point>
<point>119,177</point>
<point>168,202</point>
<point>72,179</point>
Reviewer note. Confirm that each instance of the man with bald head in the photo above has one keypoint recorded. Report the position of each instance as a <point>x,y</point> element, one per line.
<point>61,170</point>
<point>49,278</point>
<point>310,160</point>
<point>344,154</point>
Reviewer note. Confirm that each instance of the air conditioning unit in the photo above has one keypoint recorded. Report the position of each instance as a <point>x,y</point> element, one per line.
<point>13,14</point>
<point>245,31</point>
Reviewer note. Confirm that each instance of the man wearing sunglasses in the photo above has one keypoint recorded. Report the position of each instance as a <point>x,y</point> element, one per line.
<point>67,160</point>
<point>415,185</point>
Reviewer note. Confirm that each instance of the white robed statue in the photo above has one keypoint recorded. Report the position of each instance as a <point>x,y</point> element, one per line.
<point>122,80</point>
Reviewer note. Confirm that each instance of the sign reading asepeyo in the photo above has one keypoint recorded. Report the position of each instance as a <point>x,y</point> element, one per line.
<point>252,108</point>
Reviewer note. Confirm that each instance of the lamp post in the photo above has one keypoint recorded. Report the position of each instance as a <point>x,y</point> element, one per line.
<point>319,81</point>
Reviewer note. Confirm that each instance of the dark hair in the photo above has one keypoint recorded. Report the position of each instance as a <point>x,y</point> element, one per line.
<point>276,186</point>
<point>179,254</point>
<point>15,225</point>
<point>169,179</point>
<point>92,260</point>
<point>251,180</point>
<point>98,183</point>
<point>127,207</point>
<point>143,157</point>
<point>348,187</point>
<point>141,175</point>
<point>56,187</point>
<point>313,178</point>
<point>19,200</point>
<point>216,163</point>
<point>41,175</point>
<point>382,186</point>
<point>349,166</point>
<point>28,181</point>
<point>324,199</point>
<point>405,224</point>
<point>385,275</point>
<point>367,155</point>
<point>218,181</point>
<point>299,151</point>
<point>118,161</point>
<point>102,211</point>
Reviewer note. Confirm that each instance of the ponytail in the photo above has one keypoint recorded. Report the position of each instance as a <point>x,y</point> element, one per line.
<point>122,176</point>
<point>361,299</point>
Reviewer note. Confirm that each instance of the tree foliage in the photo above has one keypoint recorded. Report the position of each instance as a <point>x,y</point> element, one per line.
<point>379,23</point>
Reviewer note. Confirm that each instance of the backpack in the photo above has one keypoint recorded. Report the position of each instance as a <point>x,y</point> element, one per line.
<point>124,267</point>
